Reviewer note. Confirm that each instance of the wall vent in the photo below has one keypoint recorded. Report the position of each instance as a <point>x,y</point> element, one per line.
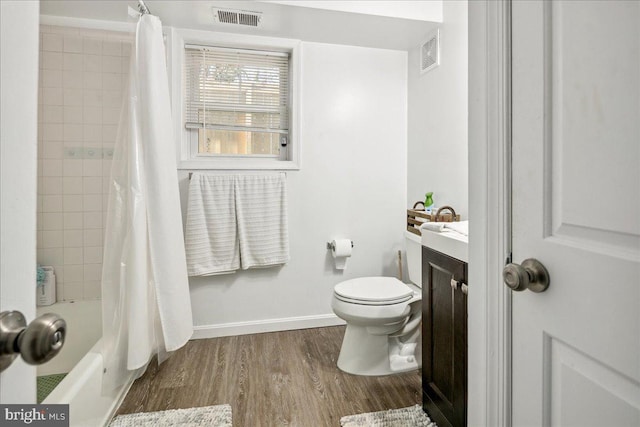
<point>238,17</point>
<point>430,52</point>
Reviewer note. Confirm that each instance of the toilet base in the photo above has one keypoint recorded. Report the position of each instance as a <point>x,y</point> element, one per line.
<point>373,355</point>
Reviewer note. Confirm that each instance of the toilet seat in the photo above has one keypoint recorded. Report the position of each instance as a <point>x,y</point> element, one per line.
<point>373,291</point>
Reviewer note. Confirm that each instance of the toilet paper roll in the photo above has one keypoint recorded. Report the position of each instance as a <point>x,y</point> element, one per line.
<point>341,248</point>
<point>341,251</point>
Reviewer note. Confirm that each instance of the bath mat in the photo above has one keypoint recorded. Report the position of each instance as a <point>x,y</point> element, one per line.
<point>47,383</point>
<point>214,416</point>
<point>412,416</point>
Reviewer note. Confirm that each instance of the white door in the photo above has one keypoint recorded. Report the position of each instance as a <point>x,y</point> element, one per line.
<point>576,208</point>
<point>18,154</point>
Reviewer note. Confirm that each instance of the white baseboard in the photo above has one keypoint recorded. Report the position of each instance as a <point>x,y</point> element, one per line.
<point>269,325</point>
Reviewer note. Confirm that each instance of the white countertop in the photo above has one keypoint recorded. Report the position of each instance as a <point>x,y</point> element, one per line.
<point>450,243</point>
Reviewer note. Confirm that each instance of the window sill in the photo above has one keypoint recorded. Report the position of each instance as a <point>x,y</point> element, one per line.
<point>235,164</point>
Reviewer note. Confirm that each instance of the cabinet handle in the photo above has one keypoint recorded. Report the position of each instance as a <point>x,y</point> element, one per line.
<point>454,283</point>
<point>465,288</point>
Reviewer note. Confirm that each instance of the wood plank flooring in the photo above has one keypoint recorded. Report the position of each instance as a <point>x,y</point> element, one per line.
<point>273,379</point>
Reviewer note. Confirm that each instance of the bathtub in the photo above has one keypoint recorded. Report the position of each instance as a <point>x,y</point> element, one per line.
<point>84,329</point>
<point>82,387</point>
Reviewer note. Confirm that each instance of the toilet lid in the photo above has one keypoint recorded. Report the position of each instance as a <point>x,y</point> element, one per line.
<point>373,291</point>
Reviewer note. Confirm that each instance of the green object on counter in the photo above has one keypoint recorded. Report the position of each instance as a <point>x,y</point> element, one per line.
<point>428,201</point>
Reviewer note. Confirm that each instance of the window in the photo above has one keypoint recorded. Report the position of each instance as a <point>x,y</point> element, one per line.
<point>237,103</point>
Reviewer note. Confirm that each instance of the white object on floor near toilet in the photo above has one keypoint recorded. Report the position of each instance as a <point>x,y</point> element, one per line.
<point>383,318</point>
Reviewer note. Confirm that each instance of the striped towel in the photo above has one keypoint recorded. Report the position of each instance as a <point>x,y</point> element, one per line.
<point>261,207</point>
<point>211,237</point>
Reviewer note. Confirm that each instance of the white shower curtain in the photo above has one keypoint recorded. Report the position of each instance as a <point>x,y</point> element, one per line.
<point>145,291</point>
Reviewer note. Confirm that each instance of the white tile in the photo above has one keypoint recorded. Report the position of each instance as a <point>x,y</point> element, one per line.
<point>72,220</point>
<point>52,96</point>
<point>110,116</point>
<point>72,97</point>
<point>93,237</point>
<point>93,63</point>
<point>52,42</point>
<point>72,203</point>
<point>92,272</point>
<point>52,256</point>
<point>92,46</point>
<point>92,98</point>
<point>112,99</point>
<point>52,185</point>
<point>125,66</point>
<point>93,255</point>
<point>72,167</point>
<point>72,185</point>
<point>52,203</point>
<point>73,44</point>
<point>109,133</point>
<point>73,238</point>
<point>92,220</point>
<point>111,64</point>
<point>38,239</point>
<point>52,239</point>
<point>92,290</point>
<point>72,114</point>
<point>111,48</point>
<point>52,114</point>
<point>73,256</point>
<point>73,291</point>
<point>92,185</point>
<point>92,203</point>
<point>92,167</point>
<point>51,167</point>
<point>72,79</point>
<point>72,61</point>
<point>92,133</point>
<point>126,49</point>
<point>111,81</point>
<point>92,80</point>
<point>72,132</point>
<point>52,221</point>
<point>73,273</point>
<point>51,60</point>
<point>52,150</point>
<point>93,115</point>
<point>53,132</point>
<point>51,78</point>
<point>106,167</point>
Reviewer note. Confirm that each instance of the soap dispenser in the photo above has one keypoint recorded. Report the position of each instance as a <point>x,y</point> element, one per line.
<point>428,202</point>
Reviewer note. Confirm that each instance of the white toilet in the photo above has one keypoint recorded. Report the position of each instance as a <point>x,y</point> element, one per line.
<point>383,320</point>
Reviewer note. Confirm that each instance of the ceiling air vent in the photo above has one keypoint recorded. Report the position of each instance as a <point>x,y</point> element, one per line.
<point>430,52</point>
<point>239,17</point>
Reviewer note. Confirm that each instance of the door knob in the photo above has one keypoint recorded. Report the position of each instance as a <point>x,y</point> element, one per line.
<point>37,343</point>
<point>530,275</point>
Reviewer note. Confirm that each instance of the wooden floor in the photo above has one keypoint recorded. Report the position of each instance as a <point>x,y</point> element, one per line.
<point>274,379</point>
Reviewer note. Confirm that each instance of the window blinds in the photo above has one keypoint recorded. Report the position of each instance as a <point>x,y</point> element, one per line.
<point>235,89</point>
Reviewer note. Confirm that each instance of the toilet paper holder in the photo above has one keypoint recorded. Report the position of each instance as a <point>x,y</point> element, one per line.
<point>331,245</point>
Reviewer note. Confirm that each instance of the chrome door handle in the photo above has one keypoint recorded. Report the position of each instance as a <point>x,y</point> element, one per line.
<point>37,343</point>
<point>530,275</point>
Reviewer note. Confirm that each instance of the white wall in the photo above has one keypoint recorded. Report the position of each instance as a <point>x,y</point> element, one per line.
<point>352,183</point>
<point>437,121</point>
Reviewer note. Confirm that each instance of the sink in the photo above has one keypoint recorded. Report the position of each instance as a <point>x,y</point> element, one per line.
<point>450,243</point>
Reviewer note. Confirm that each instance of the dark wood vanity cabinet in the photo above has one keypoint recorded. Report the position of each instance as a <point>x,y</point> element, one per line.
<point>444,338</point>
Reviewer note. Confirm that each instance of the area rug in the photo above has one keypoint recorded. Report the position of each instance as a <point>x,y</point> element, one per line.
<point>206,416</point>
<point>412,416</point>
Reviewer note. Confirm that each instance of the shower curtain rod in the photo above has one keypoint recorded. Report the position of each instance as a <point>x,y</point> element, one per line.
<point>143,8</point>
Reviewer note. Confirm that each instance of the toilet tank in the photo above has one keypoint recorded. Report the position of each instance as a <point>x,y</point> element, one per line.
<point>414,257</point>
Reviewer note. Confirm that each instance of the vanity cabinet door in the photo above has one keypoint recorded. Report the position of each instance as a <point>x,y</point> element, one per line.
<point>444,338</point>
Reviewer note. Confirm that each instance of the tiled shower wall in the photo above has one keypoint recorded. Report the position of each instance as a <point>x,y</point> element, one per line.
<point>82,77</point>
